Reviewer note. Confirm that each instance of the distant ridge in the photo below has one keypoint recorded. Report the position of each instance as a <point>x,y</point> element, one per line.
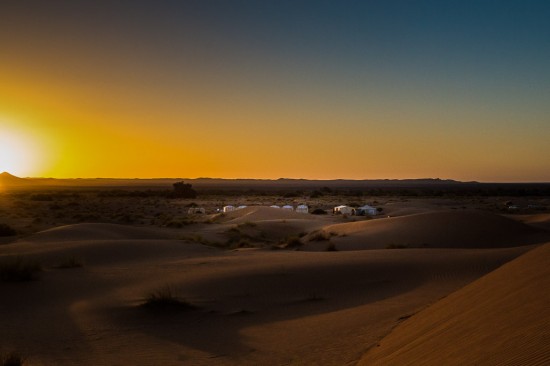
<point>422,186</point>
<point>9,180</point>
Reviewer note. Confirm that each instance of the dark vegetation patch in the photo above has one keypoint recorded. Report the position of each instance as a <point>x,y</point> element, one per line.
<point>320,235</point>
<point>12,359</point>
<point>6,230</point>
<point>292,242</point>
<point>19,269</point>
<point>331,247</point>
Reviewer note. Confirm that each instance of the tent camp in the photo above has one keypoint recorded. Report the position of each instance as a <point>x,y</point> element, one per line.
<point>228,208</point>
<point>241,207</point>
<point>302,209</point>
<point>275,206</point>
<point>343,209</point>
<point>288,207</point>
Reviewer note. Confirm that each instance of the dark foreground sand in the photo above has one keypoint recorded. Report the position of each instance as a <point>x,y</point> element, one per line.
<point>455,303</point>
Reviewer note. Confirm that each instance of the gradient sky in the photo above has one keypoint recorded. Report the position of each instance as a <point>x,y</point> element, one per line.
<point>267,89</point>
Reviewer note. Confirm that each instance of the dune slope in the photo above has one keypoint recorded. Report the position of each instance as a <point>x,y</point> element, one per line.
<point>500,319</point>
<point>95,231</point>
<point>447,229</point>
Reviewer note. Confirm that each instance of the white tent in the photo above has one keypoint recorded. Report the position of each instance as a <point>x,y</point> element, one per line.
<point>302,209</point>
<point>240,207</point>
<point>367,210</point>
<point>196,210</point>
<point>288,207</point>
<point>343,209</point>
<point>228,208</point>
<point>275,206</point>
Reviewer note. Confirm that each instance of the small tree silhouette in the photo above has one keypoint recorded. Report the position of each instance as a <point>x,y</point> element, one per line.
<point>184,190</point>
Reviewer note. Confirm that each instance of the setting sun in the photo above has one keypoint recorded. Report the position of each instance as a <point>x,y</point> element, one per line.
<point>18,154</point>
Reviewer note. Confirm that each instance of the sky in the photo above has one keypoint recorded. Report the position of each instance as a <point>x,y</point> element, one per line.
<point>267,89</point>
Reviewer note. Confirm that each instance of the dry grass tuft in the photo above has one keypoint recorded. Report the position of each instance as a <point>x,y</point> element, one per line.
<point>166,298</point>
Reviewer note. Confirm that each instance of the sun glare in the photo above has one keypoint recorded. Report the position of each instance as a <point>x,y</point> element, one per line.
<point>18,155</point>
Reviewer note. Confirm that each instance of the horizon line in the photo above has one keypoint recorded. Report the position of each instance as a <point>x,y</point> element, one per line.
<point>283,178</point>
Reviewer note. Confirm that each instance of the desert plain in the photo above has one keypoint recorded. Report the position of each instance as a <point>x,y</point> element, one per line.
<point>97,277</point>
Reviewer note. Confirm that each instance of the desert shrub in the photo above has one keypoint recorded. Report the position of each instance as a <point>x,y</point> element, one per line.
<point>183,190</point>
<point>166,298</point>
<point>18,269</point>
<point>6,230</point>
<point>319,235</point>
<point>316,194</point>
<point>238,239</point>
<point>318,211</point>
<point>70,262</point>
<point>292,243</point>
<point>11,359</point>
<point>247,224</point>
<point>331,247</point>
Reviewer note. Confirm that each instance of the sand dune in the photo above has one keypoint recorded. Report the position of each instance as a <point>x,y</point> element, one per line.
<point>254,307</point>
<point>99,244</point>
<point>500,319</point>
<point>446,229</point>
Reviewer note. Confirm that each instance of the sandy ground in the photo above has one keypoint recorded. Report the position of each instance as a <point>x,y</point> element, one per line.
<point>500,319</point>
<point>269,306</point>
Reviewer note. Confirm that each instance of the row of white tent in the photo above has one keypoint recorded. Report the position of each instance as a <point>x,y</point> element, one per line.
<point>299,208</point>
<point>343,209</point>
